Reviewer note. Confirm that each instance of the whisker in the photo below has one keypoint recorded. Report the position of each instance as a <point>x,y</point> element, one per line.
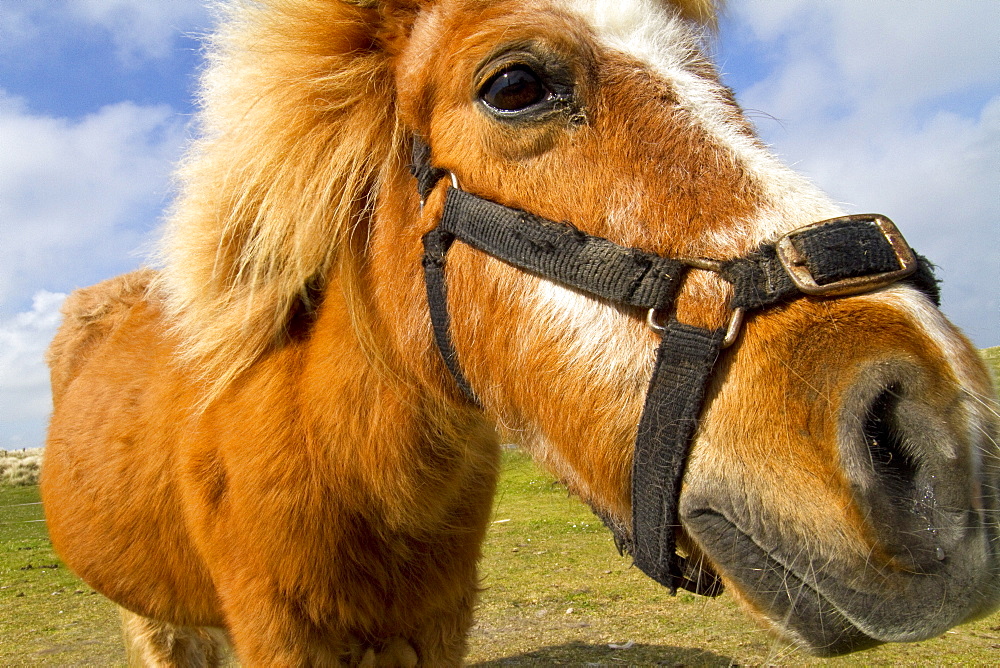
<point>987,402</point>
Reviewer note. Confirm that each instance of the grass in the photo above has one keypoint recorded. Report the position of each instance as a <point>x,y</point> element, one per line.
<point>992,357</point>
<point>48,617</point>
<point>556,593</point>
<point>19,468</point>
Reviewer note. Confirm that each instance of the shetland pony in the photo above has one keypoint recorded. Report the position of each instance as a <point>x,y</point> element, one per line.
<point>261,443</point>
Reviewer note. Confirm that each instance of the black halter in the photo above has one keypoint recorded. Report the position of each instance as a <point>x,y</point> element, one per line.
<point>837,257</point>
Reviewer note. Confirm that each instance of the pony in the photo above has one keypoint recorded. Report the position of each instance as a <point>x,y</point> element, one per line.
<point>270,441</point>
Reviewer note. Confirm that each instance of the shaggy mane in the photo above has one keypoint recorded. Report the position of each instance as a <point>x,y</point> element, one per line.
<point>297,121</point>
<point>297,130</point>
<point>705,12</point>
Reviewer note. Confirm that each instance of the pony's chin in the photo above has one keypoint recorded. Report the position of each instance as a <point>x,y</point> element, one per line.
<point>819,612</point>
<point>791,607</point>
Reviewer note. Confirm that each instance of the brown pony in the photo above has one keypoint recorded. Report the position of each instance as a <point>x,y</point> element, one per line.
<point>261,442</point>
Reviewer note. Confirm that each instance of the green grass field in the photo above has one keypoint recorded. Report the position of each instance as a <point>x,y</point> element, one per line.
<point>556,593</point>
<point>48,617</point>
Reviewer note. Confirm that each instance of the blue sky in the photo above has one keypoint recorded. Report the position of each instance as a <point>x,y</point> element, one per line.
<point>891,107</point>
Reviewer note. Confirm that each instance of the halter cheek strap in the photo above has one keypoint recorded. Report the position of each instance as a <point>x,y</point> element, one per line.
<point>839,257</point>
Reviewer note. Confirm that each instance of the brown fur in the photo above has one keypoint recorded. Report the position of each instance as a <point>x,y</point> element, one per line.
<point>89,316</point>
<point>297,133</point>
<point>262,437</point>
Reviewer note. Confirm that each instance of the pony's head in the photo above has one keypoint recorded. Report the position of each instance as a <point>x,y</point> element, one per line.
<point>842,480</point>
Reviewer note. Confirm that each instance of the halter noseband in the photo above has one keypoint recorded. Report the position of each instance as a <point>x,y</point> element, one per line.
<point>833,258</point>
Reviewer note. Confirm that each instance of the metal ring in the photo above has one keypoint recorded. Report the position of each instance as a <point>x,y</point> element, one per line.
<point>732,328</point>
<point>454,184</point>
<point>651,321</point>
<point>703,263</point>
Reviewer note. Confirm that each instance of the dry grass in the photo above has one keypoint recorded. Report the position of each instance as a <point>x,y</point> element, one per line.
<point>20,468</point>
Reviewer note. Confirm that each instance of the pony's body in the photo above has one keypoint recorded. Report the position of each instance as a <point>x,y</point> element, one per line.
<point>250,488</point>
<point>263,438</point>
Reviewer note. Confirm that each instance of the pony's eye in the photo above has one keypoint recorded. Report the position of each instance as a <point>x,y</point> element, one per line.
<point>514,89</point>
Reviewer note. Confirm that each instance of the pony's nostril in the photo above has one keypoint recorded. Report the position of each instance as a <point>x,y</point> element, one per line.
<point>891,457</point>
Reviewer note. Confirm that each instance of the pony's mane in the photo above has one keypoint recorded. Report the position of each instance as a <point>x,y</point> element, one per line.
<point>297,130</point>
<point>297,121</point>
<point>705,12</point>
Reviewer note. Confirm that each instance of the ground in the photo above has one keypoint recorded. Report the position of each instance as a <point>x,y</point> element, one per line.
<point>556,592</point>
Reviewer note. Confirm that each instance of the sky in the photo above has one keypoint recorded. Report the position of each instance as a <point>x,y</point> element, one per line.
<point>890,107</point>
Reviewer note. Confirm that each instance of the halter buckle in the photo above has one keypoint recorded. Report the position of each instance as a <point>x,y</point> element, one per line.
<point>736,315</point>
<point>794,262</point>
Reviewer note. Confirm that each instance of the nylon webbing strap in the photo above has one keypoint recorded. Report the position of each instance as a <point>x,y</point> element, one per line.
<point>436,245</point>
<point>625,276</point>
<point>628,276</point>
<point>760,279</point>
<point>851,248</point>
<point>684,364</point>
<point>686,355</point>
<point>423,171</point>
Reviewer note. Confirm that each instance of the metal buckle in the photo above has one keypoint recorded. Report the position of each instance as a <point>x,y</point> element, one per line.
<point>795,264</point>
<point>735,316</point>
<point>732,327</point>
<point>454,184</point>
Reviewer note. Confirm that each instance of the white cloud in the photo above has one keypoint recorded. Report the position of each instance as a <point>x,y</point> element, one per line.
<point>18,24</point>
<point>140,29</point>
<point>78,201</point>
<point>24,378</point>
<point>918,52</point>
<point>78,198</point>
<point>895,107</point>
<point>885,56</point>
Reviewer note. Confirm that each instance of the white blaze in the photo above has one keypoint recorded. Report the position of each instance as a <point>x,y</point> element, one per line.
<point>650,33</point>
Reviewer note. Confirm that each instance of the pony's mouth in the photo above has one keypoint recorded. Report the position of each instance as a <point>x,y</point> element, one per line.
<point>821,612</point>
<point>794,608</point>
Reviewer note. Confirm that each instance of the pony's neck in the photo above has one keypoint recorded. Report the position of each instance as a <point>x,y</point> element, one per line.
<point>374,424</point>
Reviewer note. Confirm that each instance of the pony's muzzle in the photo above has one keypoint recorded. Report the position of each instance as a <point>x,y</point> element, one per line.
<point>903,549</point>
<point>904,441</point>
